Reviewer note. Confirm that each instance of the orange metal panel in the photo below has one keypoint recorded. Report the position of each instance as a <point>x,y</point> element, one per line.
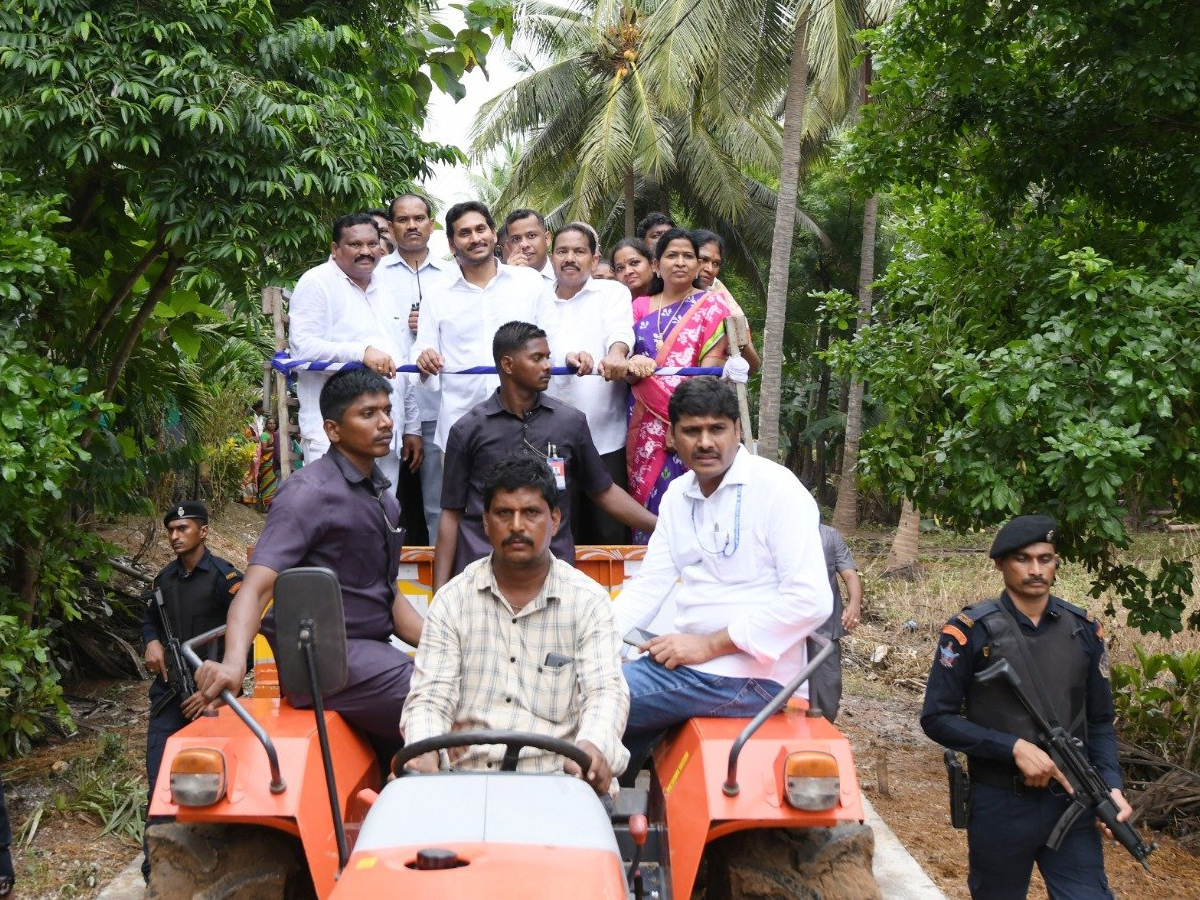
<point>692,767</point>
<point>494,871</point>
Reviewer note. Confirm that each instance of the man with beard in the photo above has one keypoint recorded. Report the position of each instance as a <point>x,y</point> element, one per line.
<point>458,322</point>
<point>338,313</point>
<point>519,416</point>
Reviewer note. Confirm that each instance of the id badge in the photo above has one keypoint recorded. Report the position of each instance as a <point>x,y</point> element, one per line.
<point>558,466</point>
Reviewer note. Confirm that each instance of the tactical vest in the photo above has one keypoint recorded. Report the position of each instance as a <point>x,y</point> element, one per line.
<point>1059,654</point>
<point>193,607</point>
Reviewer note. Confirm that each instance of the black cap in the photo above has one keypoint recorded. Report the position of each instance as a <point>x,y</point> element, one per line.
<point>1021,532</point>
<point>188,509</point>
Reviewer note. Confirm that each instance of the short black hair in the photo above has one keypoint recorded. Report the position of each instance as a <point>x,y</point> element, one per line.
<point>520,470</point>
<point>380,212</point>
<point>637,245</point>
<point>703,236</point>
<point>703,395</point>
<point>512,336</point>
<point>518,214</point>
<point>347,386</point>
<point>675,234</point>
<point>458,210</point>
<point>341,223</point>
<point>652,220</point>
<point>581,227</point>
<point>409,196</point>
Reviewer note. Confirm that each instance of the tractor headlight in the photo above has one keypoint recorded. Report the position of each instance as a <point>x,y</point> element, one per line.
<point>810,779</point>
<point>197,777</point>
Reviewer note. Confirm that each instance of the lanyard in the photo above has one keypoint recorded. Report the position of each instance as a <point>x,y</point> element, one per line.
<point>721,541</point>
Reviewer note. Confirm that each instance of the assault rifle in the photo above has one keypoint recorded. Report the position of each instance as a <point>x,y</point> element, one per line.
<point>1091,793</point>
<point>179,675</point>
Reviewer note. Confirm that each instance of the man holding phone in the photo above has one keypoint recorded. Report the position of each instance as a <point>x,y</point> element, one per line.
<point>520,641</point>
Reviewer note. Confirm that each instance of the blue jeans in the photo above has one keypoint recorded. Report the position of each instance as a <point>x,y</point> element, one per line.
<point>1006,835</point>
<point>660,697</point>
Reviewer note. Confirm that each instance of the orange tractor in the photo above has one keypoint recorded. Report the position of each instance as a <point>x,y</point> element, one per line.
<point>276,802</point>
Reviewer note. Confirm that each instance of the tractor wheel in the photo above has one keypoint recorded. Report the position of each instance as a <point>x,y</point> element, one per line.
<point>226,862</point>
<point>796,864</point>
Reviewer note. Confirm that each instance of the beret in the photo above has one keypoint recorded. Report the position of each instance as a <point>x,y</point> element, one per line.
<point>1021,532</point>
<point>188,509</point>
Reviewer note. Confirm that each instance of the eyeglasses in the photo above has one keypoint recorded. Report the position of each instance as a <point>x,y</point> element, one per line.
<point>394,529</point>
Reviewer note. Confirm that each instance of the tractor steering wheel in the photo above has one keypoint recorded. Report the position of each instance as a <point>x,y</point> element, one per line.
<point>512,740</point>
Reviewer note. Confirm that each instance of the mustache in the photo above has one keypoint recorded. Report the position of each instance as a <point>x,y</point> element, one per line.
<point>516,539</point>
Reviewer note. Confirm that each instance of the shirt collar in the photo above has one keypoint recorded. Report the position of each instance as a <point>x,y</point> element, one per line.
<point>485,582</point>
<point>495,408</point>
<point>204,563</point>
<point>377,480</point>
<point>588,287</point>
<point>395,260</point>
<point>337,271</point>
<point>738,473</point>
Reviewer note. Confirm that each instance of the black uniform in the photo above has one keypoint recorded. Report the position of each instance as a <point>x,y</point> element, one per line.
<point>195,604</point>
<point>1009,822</point>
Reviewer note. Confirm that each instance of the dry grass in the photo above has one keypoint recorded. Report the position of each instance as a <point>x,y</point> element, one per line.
<point>906,614</point>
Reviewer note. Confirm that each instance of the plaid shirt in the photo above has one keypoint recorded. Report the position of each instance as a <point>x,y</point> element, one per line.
<point>480,665</point>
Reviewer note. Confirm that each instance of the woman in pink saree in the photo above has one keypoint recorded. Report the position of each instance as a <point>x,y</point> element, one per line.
<point>676,325</point>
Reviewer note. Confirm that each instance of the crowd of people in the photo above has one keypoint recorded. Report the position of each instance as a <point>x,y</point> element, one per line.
<point>514,466</point>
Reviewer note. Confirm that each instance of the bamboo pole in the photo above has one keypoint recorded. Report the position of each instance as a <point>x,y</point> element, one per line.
<point>273,305</point>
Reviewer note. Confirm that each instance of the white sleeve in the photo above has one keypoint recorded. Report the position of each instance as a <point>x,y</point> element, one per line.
<point>309,325</point>
<point>804,599</point>
<point>644,594</point>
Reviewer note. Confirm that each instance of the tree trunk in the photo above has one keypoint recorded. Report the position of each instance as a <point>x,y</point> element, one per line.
<point>781,244</point>
<point>903,555</point>
<point>161,286</point>
<point>821,441</point>
<point>121,293</point>
<point>630,221</point>
<point>845,514</point>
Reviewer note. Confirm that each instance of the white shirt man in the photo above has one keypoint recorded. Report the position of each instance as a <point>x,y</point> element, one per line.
<point>589,323</point>
<point>339,313</point>
<point>457,324</point>
<point>527,242</point>
<point>740,535</point>
<point>411,273</point>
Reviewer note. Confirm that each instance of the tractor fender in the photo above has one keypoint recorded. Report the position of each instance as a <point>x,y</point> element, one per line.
<point>692,764</point>
<point>302,808</point>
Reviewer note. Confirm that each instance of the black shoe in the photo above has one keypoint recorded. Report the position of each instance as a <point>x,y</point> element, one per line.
<point>6,885</point>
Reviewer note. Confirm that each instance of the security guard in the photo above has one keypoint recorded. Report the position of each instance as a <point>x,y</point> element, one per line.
<point>1017,793</point>
<point>197,589</point>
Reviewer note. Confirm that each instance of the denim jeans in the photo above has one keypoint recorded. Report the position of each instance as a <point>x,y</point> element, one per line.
<point>660,697</point>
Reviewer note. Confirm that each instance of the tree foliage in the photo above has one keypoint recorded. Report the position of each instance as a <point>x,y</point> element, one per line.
<point>1037,350</point>
<point>161,162</point>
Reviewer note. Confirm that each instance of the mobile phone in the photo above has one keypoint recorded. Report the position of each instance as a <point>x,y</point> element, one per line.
<point>638,636</point>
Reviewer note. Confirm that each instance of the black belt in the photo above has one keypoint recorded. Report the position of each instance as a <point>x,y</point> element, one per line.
<point>1004,780</point>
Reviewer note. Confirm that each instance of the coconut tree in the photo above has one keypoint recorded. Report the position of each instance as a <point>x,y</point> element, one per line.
<point>626,105</point>
<point>824,49</point>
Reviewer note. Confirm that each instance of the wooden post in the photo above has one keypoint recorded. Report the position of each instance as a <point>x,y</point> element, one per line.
<point>736,331</point>
<point>273,304</point>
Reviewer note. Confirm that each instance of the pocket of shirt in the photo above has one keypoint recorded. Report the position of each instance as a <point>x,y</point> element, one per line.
<point>363,559</point>
<point>551,690</point>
